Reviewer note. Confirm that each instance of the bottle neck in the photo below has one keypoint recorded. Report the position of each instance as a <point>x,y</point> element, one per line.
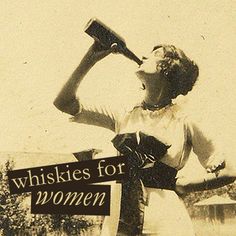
<point>129,54</point>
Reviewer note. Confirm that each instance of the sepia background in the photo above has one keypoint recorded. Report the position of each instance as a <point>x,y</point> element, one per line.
<point>42,42</point>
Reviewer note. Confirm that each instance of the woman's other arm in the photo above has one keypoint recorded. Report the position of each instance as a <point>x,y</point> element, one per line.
<point>212,180</point>
<point>220,170</point>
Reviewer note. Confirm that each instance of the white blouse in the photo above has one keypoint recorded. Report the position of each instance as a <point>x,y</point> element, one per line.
<point>169,125</point>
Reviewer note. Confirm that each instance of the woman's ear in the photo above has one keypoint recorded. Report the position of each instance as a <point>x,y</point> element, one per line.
<point>143,86</point>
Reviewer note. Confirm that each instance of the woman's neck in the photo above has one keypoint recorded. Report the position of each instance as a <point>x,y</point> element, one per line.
<point>157,98</point>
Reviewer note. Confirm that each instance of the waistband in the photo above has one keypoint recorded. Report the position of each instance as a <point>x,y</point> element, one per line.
<point>159,176</point>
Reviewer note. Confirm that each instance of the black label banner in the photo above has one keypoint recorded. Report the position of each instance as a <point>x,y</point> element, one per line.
<point>84,172</point>
<point>72,199</point>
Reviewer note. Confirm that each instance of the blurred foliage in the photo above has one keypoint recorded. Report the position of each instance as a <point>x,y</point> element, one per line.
<point>12,215</point>
<point>70,224</point>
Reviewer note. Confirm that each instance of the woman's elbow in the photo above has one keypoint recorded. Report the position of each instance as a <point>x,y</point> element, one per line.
<point>60,104</point>
<point>68,106</point>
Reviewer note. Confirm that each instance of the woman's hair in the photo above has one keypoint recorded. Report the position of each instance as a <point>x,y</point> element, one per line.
<point>180,71</point>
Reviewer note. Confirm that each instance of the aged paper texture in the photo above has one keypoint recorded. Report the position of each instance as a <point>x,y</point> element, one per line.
<point>41,44</point>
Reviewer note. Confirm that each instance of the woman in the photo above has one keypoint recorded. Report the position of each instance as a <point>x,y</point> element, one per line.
<point>157,138</point>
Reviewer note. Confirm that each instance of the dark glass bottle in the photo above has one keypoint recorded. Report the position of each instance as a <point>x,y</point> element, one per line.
<point>107,37</point>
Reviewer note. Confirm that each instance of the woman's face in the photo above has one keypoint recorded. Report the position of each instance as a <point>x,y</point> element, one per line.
<point>149,72</point>
<point>150,63</point>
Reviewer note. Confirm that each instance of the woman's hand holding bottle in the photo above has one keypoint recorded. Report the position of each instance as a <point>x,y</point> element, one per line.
<point>97,51</point>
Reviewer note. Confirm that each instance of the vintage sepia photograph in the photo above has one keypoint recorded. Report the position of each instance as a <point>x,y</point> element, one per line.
<point>133,102</point>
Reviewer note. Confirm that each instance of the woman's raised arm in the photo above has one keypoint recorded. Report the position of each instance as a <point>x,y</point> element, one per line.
<point>66,100</point>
